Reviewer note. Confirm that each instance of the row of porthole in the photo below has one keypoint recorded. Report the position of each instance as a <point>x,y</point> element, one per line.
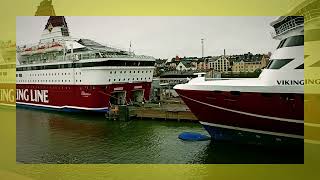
<point>115,72</point>
<point>44,80</point>
<point>55,87</point>
<point>77,80</point>
<point>131,79</point>
<point>45,87</point>
<point>48,74</point>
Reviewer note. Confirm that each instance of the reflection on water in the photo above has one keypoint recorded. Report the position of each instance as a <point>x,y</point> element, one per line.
<point>51,137</point>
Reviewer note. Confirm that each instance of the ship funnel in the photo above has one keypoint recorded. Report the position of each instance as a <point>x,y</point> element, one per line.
<point>56,29</point>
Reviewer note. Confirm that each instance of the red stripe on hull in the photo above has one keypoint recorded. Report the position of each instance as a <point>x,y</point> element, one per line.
<point>202,104</point>
<point>86,96</point>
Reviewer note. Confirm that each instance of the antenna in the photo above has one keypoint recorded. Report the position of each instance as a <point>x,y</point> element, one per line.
<point>202,47</point>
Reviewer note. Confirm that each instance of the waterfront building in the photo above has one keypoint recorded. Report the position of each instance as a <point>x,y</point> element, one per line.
<point>185,66</point>
<point>172,64</point>
<point>249,65</point>
<point>222,64</point>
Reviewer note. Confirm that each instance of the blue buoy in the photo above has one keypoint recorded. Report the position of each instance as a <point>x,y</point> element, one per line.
<point>192,136</point>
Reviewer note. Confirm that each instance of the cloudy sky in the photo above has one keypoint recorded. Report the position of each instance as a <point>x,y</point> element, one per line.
<point>164,36</point>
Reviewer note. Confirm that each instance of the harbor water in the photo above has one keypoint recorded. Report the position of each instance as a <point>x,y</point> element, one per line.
<point>55,137</point>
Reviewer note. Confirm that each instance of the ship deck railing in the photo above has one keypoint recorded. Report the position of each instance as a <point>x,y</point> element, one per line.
<point>69,57</point>
<point>288,26</point>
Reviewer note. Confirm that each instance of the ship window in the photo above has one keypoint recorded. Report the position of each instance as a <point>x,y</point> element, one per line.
<point>281,43</point>
<point>300,67</point>
<point>292,41</point>
<point>78,65</point>
<point>278,63</point>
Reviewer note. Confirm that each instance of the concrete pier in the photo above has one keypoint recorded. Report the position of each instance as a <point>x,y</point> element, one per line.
<point>178,112</point>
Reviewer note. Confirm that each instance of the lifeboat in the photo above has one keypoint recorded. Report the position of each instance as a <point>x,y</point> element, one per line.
<point>54,47</point>
<point>27,51</point>
<point>41,49</point>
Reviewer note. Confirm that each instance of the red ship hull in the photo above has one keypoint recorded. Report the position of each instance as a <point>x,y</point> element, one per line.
<point>76,97</point>
<point>279,115</point>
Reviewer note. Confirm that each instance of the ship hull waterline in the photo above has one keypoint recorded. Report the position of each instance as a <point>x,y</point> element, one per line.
<point>78,98</point>
<point>247,119</point>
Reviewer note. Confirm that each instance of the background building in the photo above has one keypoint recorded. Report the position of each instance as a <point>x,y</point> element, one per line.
<point>222,64</point>
<point>249,63</point>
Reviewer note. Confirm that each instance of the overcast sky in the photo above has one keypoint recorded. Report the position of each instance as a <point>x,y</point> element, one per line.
<point>164,36</point>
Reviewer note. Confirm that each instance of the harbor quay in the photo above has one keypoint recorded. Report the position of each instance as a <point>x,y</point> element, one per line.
<point>172,109</point>
<point>165,111</point>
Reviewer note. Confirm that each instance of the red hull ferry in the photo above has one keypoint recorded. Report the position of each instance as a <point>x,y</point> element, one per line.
<point>70,74</point>
<point>265,109</point>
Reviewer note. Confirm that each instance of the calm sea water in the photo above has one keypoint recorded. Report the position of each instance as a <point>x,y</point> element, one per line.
<point>52,137</point>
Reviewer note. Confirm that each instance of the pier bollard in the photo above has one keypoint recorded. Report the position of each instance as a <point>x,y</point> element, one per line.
<point>123,113</point>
